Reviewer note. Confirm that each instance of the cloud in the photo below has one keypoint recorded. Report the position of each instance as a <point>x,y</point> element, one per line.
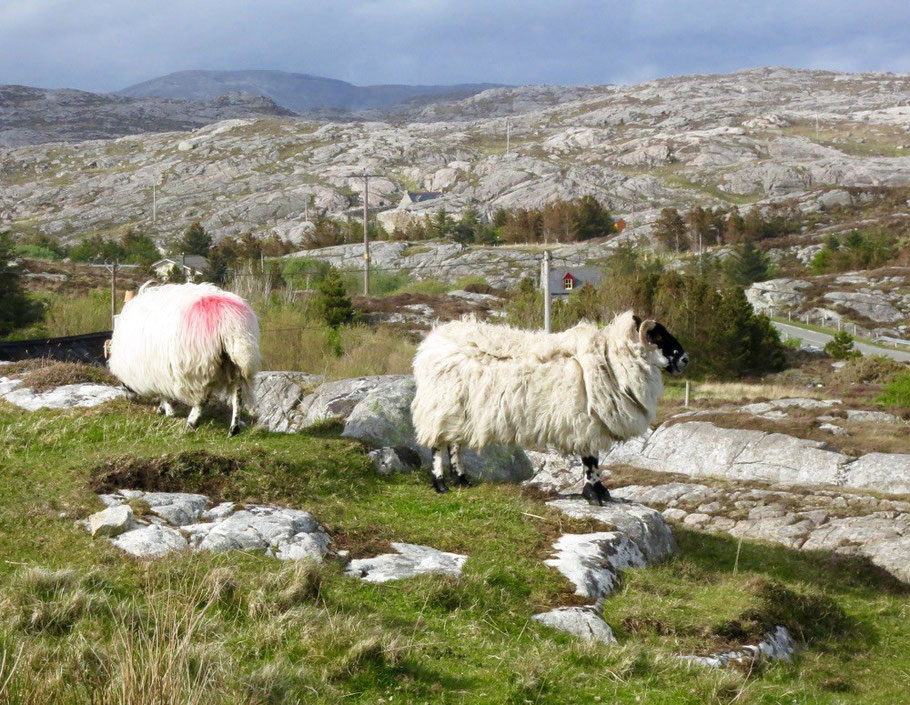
<point>108,44</point>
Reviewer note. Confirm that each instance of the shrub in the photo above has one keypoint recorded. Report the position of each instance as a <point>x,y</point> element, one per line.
<point>17,309</point>
<point>897,391</point>
<point>333,303</point>
<point>870,369</point>
<point>841,347</point>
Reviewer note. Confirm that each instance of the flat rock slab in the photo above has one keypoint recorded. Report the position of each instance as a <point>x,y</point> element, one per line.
<point>702,449</point>
<point>583,622</point>
<point>181,521</point>
<point>409,560</point>
<point>592,562</point>
<point>68,396</point>
<point>778,645</point>
<point>644,527</point>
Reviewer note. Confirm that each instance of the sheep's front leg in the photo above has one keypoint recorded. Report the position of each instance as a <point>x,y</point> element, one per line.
<point>439,483</point>
<point>461,479</point>
<point>165,407</point>
<point>594,490</point>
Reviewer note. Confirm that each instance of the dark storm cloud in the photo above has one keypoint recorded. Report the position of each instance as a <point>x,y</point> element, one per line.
<point>107,44</point>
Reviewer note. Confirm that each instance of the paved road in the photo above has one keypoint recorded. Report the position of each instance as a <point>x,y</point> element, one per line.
<point>819,339</point>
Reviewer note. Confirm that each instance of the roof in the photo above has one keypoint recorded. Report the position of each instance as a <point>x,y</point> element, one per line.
<point>421,196</point>
<point>192,261</point>
<point>582,275</point>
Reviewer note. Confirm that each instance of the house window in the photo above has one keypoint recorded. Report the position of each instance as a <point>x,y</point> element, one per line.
<point>568,282</point>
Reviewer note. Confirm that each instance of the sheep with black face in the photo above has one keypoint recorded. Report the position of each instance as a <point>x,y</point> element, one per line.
<point>578,391</point>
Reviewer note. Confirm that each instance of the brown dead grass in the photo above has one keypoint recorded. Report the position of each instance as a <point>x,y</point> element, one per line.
<point>56,374</point>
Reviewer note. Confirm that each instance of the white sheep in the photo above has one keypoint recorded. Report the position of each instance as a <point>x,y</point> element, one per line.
<point>183,342</point>
<point>578,391</point>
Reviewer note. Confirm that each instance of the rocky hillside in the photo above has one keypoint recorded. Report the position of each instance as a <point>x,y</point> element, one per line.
<point>297,91</point>
<point>35,115</point>
<point>750,137</point>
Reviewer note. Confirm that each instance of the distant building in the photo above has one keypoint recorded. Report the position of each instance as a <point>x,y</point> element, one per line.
<point>194,267</point>
<point>412,198</point>
<point>563,281</point>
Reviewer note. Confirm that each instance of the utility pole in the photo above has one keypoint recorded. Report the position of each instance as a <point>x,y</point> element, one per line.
<point>366,225</point>
<point>112,267</point>
<point>508,134</point>
<point>154,203</point>
<point>545,283</point>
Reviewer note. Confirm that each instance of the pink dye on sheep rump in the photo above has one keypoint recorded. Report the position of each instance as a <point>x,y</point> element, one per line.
<point>206,313</point>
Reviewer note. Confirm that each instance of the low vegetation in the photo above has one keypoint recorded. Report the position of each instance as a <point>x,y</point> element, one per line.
<point>79,622</point>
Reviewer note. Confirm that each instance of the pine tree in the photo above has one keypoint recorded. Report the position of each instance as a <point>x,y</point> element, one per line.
<point>196,241</point>
<point>670,230</point>
<point>333,302</point>
<point>748,264</point>
<point>841,347</point>
<point>17,310</point>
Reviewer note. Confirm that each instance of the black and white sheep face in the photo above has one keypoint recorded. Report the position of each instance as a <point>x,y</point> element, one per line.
<point>672,357</point>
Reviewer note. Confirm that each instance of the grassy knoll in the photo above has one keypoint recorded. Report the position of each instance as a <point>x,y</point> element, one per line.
<point>81,623</point>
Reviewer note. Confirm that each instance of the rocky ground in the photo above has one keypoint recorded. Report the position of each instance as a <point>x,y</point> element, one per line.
<point>705,140</point>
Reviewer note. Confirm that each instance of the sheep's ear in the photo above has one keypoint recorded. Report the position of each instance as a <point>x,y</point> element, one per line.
<point>643,330</point>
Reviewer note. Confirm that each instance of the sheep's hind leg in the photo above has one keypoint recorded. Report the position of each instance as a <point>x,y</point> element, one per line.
<point>235,413</point>
<point>439,483</point>
<point>594,490</point>
<point>165,407</point>
<point>192,420</point>
<point>461,479</point>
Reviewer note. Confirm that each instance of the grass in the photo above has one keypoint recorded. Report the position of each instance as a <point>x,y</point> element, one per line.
<point>79,622</point>
<point>56,374</point>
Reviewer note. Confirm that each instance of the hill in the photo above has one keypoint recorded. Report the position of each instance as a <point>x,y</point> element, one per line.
<point>297,91</point>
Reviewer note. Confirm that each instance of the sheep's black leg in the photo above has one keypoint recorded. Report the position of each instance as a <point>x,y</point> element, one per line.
<point>594,490</point>
<point>461,480</point>
<point>439,484</point>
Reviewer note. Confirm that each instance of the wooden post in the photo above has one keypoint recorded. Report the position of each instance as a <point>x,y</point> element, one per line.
<point>545,283</point>
<point>686,404</point>
<point>366,235</point>
<point>113,293</point>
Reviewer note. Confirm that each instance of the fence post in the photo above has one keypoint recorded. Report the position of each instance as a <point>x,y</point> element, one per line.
<point>686,403</point>
<point>545,283</point>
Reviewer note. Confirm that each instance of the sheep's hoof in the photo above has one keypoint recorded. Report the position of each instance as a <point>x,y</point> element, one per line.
<point>234,431</point>
<point>190,426</point>
<point>461,481</point>
<point>595,493</point>
<point>439,485</point>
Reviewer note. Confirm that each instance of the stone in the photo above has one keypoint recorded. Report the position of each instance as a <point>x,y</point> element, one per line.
<point>67,396</point>
<point>273,530</point>
<point>151,541</point>
<point>880,472</point>
<point>779,295</point>
<point>778,645</point>
<point>863,415</point>
<point>583,622</point>
<point>408,560</point>
<point>643,526</point>
<point>394,460</point>
<point>112,521</point>
<point>383,418</point>
<point>592,562</point>
<point>177,508</point>
<point>701,449</point>
<point>834,429</point>
<point>554,472</point>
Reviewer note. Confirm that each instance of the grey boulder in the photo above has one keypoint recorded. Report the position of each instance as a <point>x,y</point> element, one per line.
<point>407,561</point>
<point>583,622</point>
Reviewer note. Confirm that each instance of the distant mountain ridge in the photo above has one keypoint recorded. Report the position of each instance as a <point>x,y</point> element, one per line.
<point>35,115</point>
<point>299,92</point>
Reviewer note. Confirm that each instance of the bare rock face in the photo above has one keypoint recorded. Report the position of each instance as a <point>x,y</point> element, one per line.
<point>407,561</point>
<point>68,396</point>
<point>592,562</point>
<point>777,645</point>
<point>583,622</point>
<point>178,521</point>
<point>776,295</point>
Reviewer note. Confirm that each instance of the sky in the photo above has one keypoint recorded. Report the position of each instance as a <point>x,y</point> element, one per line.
<point>106,45</point>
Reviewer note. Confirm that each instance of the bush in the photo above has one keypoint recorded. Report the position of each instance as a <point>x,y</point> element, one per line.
<point>17,309</point>
<point>897,392</point>
<point>332,302</point>
<point>871,369</point>
<point>841,347</point>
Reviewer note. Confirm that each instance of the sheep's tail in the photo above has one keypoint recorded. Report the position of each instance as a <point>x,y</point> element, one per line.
<point>226,320</point>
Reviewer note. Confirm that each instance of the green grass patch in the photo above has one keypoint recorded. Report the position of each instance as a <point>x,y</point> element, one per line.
<point>897,392</point>
<point>80,622</point>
